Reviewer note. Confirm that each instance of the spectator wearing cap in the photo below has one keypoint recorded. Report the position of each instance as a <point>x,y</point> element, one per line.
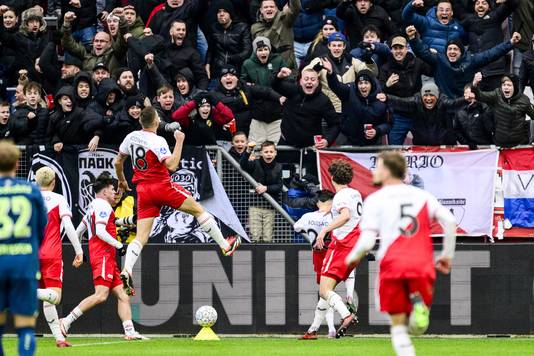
<point>65,124</point>
<point>28,43</point>
<point>242,98</point>
<point>307,25</point>
<point>126,120</point>
<point>362,13</point>
<point>484,31</point>
<point>364,117</point>
<point>305,110</point>
<point>344,66</point>
<point>83,89</point>
<point>277,26</point>
<point>510,107</point>
<point>111,54</point>
<point>54,75</point>
<point>230,42</point>
<point>100,72</point>
<point>100,112</point>
<point>438,27</point>
<point>200,127</point>
<point>457,67</point>
<point>401,76</point>
<point>262,64</point>
<point>526,73</point>
<point>432,123</point>
<point>319,46</point>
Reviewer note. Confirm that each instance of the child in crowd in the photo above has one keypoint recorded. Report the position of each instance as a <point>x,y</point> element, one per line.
<point>239,145</point>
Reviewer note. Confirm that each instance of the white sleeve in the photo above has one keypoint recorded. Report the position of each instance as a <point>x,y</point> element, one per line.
<point>301,224</point>
<point>448,222</point>
<point>81,229</point>
<point>71,234</point>
<point>161,149</point>
<point>102,212</point>
<point>64,209</point>
<point>123,148</point>
<point>104,235</point>
<point>369,226</point>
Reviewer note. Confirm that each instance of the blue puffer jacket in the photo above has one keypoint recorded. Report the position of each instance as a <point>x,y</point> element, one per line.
<point>308,23</point>
<point>433,33</point>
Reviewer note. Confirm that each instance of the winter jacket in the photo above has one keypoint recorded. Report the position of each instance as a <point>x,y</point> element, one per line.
<point>66,127</point>
<point>161,21</point>
<point>358,111</point>
<point>376,56</point>
<point>280,32</point>
<point>268,174</point>
<point>355,21</point>
<point>511,125</point>
<point>166,117</point>
<point>309,20</point>
<point>409,72</point>
<point>345,69</point>
<point>85,14</point>
<point>485,32</point>
<point>319,49</point>
<point>433,33</point>
<point>179,99</point>
<point>8,74</point>
<point>523,24</point>
<point>83,103</point>
<point>97,118</point>
<point>430,127</point>
<point>121,126</point>
<point>51,70</point>
<point>474,125</point>
<point>137,28</point>
<point>228,46</point>
<point>185,56</point>
<point>452,77</point>
<point>113,57</point>
<point>30,132</point>
<point>199,132</point>
<point>253,71</point>
<point>303,115</point>
<point>526,73</point>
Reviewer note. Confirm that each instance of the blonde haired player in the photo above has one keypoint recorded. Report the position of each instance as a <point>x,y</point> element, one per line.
<point>50,252</point>
<point>400,216</point>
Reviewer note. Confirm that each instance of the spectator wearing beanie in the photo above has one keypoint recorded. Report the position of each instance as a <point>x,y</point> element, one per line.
<point>510,107</point>
<point>360,14</point>
<point>199,128</point>
<point>484,31</point>
<point>83,89</point>
<point>455,68</point>
<point>319,46</point>
<point>28,43</point>
<point>262,64</point>
<point>437,27</point>
<point>127,120</point>
<point>230,42</point>
<point>401,76</point>
<point>304,111</point>
<point>241,98</point>
<point>65,124</point>
<point>344,66</point>
<point>363,120</point>
<point>432,123</point>
<point>277,26</point>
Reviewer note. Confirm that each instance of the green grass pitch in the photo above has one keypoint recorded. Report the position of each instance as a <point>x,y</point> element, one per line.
<point>278,346</point>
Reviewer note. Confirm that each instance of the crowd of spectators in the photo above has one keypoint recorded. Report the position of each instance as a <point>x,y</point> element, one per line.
<point>294,72</point>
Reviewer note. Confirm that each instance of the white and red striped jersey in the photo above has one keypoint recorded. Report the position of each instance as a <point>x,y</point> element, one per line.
<point>148,153</point>
<point>351,199</point>
<point>401,216</point>
<point>57,208</point>
<point>100,212</point>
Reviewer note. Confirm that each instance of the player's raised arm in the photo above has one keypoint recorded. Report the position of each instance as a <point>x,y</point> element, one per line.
<point>172,162</point>
<point>448,222</point>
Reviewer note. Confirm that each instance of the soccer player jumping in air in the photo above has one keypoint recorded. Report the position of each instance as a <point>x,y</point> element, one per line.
<point>152,161</point>
<point>50,253</point>
<point>346,211</point>
<point>400,215</point>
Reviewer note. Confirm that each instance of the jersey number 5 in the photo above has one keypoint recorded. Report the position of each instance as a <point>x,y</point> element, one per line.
<point>412,226</point>
<point>20,207</point>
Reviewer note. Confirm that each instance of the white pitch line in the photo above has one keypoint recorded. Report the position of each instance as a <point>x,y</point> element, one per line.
<point>100,343</point>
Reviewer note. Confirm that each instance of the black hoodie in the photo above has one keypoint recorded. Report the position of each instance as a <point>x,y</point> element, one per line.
<point>97,117</point>
<point>66,127</point>
<point>80,102</point>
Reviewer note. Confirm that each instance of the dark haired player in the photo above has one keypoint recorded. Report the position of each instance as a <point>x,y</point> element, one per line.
<point>152,160</point>
<point>346,212</point>
<point>100,223</point>
<point>400,215</point>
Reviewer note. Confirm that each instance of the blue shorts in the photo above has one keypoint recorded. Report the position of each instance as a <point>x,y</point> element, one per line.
<point>17,293</point>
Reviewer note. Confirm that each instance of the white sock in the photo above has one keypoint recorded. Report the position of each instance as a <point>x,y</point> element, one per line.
<point>132,254</point>
<point>209,225</point>
<point>335,301</point>
<point>330,319</point>
<point>50,313</point>
<point>320,314</point>
<point>73,315</point>
<point>48,295</point>
<point>128,327</point>
<point>401,341</point>
<point>349,284</point>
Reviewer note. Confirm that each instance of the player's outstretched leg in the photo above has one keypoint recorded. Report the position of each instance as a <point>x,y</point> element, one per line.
<point>144,226</point>
<point>320,314</point>
<point>124,310</point>
<point>335,301</point>
<point>419,317</point>
<point>100,296</point>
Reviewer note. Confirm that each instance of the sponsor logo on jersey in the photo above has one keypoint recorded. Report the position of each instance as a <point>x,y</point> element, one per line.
<point>162,150</point>
<point>103,214</point>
